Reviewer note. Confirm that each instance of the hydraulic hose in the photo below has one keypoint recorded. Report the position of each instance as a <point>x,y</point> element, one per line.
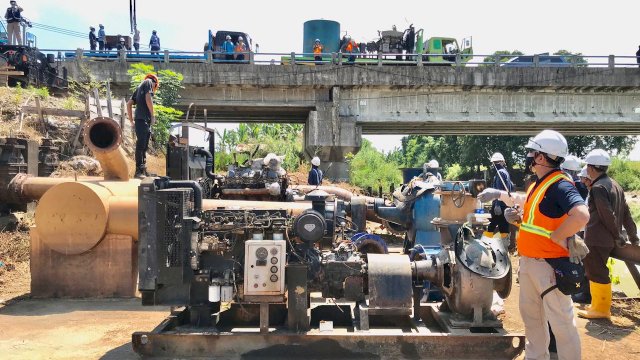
<point>208,169</point>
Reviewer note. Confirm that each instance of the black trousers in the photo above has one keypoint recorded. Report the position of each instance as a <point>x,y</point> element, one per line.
<point>143,134</point>
<point>92,45</point>
<point>137,47</point>
<point>101,45</point>
<point>595,264</point>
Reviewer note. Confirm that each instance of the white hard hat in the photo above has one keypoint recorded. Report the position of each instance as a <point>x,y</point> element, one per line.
<point>583,173</point>
<point>228,37</point>
<point>549,142</point>
<point>572,163</point>
<point>433,164</point>
<point>348,37</point>
<point>598,157</point>
<point>497,157</point>
<point>240,38</point>
<point>317,40</point>
<point>315,161</point>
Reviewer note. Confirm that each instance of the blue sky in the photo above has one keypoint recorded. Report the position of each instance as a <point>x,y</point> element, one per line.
<point>592,28</point>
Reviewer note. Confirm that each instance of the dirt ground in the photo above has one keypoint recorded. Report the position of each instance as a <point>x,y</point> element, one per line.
<point>618,338</point>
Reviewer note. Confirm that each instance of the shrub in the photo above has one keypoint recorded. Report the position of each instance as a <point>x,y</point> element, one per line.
<point>626,173</point>
<point>369,167</point>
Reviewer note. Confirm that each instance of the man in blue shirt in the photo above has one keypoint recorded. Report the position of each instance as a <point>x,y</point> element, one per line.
<point>315,174</point>
<point>154,43</point>
<point>228,47</point>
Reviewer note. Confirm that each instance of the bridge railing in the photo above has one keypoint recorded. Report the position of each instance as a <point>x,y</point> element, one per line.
<point>379,59</point>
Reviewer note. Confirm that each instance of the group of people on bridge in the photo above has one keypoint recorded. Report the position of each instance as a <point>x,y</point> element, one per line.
<point>99,41</point>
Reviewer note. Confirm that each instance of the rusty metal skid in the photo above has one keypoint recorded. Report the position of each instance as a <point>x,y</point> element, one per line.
<point>430,338</point>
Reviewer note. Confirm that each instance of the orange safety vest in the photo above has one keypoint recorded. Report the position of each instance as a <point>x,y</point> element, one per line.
<point>240,48</point>
<point>534,239</point>
<point>317,49</point>
<point>350,45</point>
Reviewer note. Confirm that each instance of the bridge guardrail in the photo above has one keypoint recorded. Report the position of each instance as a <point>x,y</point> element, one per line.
<point>379,59</point>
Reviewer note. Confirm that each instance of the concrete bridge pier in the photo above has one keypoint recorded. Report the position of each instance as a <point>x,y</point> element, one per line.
<point>331,138</point>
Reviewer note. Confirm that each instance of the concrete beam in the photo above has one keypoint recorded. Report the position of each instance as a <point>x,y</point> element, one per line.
<point>424,77</point>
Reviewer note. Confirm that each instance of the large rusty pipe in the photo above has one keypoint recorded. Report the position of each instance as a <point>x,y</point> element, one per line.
<point>103,137</point>
<point>246,192</point>
<point>629,253</point>
<point>26,188</point>
<point>342,194</point>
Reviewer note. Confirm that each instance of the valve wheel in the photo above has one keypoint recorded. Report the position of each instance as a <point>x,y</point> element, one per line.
<point>457,194</point>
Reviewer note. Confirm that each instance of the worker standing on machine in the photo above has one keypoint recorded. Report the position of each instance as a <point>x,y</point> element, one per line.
<point>144,119</point>
<point>317,51</point>
<point>550,215</point>
<point>500,180</point>
<point>609,212</point>
<point>431,169</point>
<point>315,174</point>
<point>13,17</point>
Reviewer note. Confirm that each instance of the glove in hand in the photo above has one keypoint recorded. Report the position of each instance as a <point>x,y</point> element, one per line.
<point>513,216</point>
<point>497,210</point>
<point>489,194</point>
<point>577,249</point>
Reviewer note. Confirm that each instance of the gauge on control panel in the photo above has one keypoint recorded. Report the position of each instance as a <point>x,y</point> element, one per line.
<point>274,260</point>
<point>262,253</point>
<point>274,278</point>
<point>274,269</point>
<point>274,251</point>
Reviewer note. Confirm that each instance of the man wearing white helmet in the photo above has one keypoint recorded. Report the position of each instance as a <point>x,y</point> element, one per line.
<point>502,178</point>
<point>240,49</point>
<point>571,166</point>
<point>431,168</point>
<point>609,213</point>
<point>315,174</point>
<point>227,48</point>
<point>550,214</point>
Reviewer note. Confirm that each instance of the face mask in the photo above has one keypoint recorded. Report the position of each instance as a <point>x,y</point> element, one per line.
<point>528,163</point>
<point>499,166</point>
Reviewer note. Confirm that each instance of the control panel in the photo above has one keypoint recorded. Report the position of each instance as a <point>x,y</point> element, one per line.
<point>264,267</point>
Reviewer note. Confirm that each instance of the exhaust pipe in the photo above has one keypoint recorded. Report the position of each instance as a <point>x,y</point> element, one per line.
<point>103,137</point>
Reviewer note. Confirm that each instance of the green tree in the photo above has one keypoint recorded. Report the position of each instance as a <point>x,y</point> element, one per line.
<point>369,167</point>
<point>505,55</point>
<point>568,57</point>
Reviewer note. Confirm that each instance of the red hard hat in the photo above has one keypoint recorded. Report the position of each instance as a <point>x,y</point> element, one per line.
<point>154,78</point>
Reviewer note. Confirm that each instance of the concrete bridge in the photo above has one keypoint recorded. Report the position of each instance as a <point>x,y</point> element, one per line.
<point>339,103</point>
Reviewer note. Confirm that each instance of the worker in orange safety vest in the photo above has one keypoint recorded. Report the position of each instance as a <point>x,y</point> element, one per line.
<point>549,216</point>
<point>317,51</point>
<point>350,47</point>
